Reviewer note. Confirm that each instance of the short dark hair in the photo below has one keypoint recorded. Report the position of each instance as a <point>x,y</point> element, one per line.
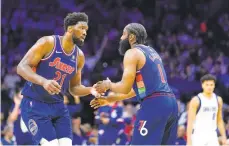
<point>139,31</point>
<point>208,77</point>
<point>74,18</point>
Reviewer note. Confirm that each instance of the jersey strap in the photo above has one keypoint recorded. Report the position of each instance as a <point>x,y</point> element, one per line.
<point>199,104</point>
<point>52,52</point>
<point>217,100</point>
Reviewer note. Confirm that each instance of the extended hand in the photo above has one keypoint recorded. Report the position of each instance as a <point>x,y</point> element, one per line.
<point>52,87</point>
<point>95,93</point>
<point>98,102</point>
<point>102,86</point>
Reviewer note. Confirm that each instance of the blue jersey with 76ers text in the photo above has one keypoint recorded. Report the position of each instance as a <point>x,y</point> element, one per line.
<point>58,66</point>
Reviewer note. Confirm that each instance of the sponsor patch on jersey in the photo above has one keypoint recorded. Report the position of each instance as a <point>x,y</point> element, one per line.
<point>33,128</point>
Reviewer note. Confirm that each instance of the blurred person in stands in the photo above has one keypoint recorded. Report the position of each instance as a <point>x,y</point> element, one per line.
<point>21,132</point>
<point>77,132</point>
<point>180,135</point>
<point>184,116</point>
<point>8,138</point>
<point>110,123</point>
<point>73,103</point>
<point>129,115</point>
<point>227,131</point>
<point>87,134</point>
<point>11,79</point>
<point>216,70</point>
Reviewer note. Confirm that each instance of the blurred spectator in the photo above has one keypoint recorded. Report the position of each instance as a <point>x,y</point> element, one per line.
<point>11,79</point>
<point>224,22</point>
<point>73,103</point>
<point>2,121</point>
<point>77,132</point>
<point>184,116</point>
<point>180,135</point>
<point>203,27</point>
<point>23,137</point>
<point>217,69</point>
<point>110,123</point>
<point>227,128</point>
<point>190,23</point>
<point>170,21</point>
<point>208,63</point>
<point>9,138</point>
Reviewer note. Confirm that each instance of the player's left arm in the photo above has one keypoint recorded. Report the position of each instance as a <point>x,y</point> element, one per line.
<point>76,88</point>
<point>129,72</point>
<point>220,122</point>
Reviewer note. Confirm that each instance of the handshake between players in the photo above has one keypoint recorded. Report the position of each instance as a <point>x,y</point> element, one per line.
<point>98,91</point>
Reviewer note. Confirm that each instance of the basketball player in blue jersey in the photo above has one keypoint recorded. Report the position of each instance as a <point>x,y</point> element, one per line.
<point>156,122</point>
<point>58,63</point>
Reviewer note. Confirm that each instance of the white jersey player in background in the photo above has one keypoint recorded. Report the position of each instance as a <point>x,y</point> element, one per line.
<point>205,116</point>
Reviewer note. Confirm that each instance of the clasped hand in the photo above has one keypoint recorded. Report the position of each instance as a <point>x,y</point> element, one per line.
<point>102,86</point>
<point>99,89</point>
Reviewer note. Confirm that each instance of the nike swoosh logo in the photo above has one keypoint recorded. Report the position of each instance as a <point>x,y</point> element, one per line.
<point>58,52</point>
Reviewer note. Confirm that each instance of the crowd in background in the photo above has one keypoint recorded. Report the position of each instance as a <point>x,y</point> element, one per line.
<point>191,37</point>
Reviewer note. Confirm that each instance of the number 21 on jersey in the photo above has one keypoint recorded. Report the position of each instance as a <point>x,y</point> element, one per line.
<point>60,76</point>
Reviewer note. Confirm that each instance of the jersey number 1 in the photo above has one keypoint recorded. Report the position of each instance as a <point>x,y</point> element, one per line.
<point>161,73</point>
<point>59,76</point>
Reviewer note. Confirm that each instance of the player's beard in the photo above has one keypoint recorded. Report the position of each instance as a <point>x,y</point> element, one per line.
<point>77,41</point>
<point>124,45</point>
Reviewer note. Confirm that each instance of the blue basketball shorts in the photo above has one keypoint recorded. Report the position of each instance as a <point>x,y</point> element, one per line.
<point>47,121</point>
<point>156,122</point>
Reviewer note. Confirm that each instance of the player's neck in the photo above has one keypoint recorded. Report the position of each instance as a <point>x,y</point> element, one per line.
<point>67,43</point>
<point>133,45</point>
<point>208,95</point>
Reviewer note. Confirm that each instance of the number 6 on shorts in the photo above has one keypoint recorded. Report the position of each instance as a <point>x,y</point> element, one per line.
<point>143,130</point>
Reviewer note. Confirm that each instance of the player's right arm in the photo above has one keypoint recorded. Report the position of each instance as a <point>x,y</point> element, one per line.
<point>193,106</point>
<point>39,50</point>
<point>112,97</point>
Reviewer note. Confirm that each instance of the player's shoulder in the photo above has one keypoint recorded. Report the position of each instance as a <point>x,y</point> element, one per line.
<point>80,58</point>
<point>80,55</point>
<point>195,101</point>
<point>132,50</point>
<point>46,41</point>
<point>132,53</point>
<point>80,52</point>
<point>220,99</point>
<point>140,50</point>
